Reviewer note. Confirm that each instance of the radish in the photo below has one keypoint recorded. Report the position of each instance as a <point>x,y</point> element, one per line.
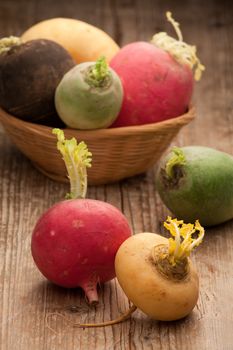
<point>89,96</point>
<point>160,278</point>
<point>74,243</point>
<point>197,182</point>
<point>29,75</point>
<point>157,78</point>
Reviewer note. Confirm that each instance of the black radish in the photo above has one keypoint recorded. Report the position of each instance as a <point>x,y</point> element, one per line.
<point>29,75</point>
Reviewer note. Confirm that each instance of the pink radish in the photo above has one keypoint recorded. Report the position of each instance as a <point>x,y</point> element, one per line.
<point>157,78</point>
<point>74,243</point>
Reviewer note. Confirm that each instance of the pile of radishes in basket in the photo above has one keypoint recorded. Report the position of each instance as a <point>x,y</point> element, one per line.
<point>141,83</point>
<point>82,242</point>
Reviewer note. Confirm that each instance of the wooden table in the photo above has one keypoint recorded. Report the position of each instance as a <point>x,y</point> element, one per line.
<point>25,297</point>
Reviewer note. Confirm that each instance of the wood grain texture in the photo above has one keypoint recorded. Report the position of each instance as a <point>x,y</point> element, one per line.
<point>25,297</point>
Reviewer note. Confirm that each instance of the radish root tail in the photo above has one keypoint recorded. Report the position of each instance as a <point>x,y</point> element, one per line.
<point>119,319</point>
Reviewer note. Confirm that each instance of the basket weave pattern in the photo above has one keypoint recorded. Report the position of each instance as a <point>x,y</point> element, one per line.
<point>117,152</point>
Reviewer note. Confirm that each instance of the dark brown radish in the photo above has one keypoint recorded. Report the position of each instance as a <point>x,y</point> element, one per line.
<point>29,75</point>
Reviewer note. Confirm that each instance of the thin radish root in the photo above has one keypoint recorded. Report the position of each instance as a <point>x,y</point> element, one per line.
<point>119,319</point>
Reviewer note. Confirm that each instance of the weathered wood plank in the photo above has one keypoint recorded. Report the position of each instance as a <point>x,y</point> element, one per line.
<point>25,297</point>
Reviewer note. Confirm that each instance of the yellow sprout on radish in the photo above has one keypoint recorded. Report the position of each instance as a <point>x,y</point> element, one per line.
<point>183,243</point>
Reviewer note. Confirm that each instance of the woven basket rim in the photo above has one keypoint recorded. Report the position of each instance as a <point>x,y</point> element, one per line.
<point>183,119</point>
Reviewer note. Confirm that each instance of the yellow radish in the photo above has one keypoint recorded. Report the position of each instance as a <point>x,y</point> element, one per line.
<point>83,41</point>
<point>156,273</point>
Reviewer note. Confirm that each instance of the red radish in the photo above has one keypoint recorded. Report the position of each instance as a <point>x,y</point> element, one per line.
<point>74,243</point>
<point>157,78</point>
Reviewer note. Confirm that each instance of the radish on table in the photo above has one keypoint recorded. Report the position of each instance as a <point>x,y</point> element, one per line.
<point>160,278</point>
<point>74,243</point>
<point>197,182</point>
<point>157,78</point>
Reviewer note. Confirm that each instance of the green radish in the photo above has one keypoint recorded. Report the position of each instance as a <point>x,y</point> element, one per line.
<point>89,96</point>
<point>196,182</point>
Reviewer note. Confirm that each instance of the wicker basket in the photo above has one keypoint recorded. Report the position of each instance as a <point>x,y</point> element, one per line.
<point>117,153</point>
